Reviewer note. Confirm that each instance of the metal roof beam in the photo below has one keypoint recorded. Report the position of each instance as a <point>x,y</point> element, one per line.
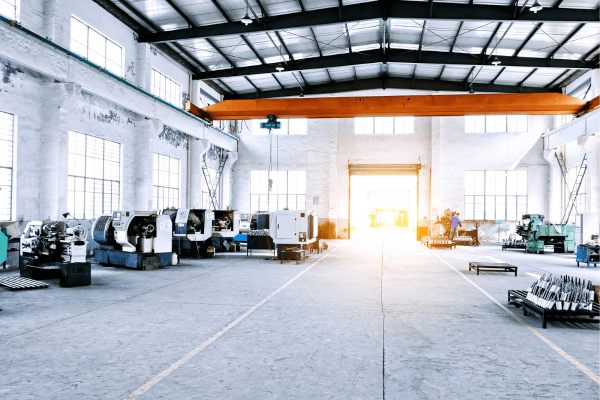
<point>391,83</point>
<point>527,39</point>
<point>260,58</point>
<point>375,56</point>
<point>404,10</point>
<point>558,78</point>
<point>221,11</point>
<point>456,36</point>
<point>565,40</point>
<point>421,39</point>
<point>484,50</point>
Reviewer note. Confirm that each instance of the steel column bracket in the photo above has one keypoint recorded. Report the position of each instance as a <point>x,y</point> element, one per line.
<point>589,107</point>
<point>197,111</point>
<point>425,106</point>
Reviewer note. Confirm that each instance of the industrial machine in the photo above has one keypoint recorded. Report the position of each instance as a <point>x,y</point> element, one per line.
<point>9,238</point>
<point>293,229</point>
<point>134,239</point>
<point>537,235</point>
<point>225,226</point>
<point>49,248</point>
<point>192,231</point>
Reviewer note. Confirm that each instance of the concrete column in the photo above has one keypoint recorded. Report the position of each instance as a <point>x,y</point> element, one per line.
<point>198,147</point>
<point>435,168</point>
<point>195,93</point>
<point>226,179</point>
<point>143,68</point>
<point>591,145</point>
<point>58,99</point>
<point>332,206</point>
<point>53,21</point>
<point>555,182</point>
<point>147,130</point>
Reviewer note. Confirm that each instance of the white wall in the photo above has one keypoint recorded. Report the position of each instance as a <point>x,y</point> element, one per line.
<point>51,93</point>
<point>439,144</point>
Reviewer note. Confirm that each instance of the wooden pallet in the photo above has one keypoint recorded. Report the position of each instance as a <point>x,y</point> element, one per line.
<point>18,283</point>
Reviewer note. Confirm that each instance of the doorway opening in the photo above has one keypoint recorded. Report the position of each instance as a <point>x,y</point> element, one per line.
<point>383,206</point>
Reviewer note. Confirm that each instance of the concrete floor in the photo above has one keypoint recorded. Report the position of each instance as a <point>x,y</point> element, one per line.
<point>372,320</point>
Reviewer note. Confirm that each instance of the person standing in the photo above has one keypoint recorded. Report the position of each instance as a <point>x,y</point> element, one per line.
<point>454,224</point>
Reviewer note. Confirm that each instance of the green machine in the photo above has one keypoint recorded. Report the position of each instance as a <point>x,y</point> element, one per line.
<point>537,235</point>
<point>8,230</point>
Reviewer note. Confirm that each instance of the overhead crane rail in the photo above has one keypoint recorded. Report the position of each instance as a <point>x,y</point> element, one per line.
<point>418,106</point>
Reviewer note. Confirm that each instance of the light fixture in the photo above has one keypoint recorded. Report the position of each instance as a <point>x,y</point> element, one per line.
<point>279,67</point>
<point>496,61</point>
<point>246,20</point>
<point>301,93</point>
<point>536,7</point>
<point>471,91</point>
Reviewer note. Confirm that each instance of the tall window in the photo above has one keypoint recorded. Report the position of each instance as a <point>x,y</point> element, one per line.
<point>165,182</point>
<point>94,176</point>
<point>8,8</point>
<point>384,125</point>
<point>7,128</point>
<point>495,195</point>
<point>495,123</point>
<point>295,126</point>
<point>287,189</point>
<point>211,174</point>
<point>96,47</point>
<point>166,89</point>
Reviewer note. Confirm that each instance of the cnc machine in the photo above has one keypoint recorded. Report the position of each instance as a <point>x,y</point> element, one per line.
<point>134,239</point>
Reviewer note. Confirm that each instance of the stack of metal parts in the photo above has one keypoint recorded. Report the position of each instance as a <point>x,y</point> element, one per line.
<point>440,241</point>
<point>564,293</point>
<point>261,232</point>
<point>463,240</point>
<point>513,243</point>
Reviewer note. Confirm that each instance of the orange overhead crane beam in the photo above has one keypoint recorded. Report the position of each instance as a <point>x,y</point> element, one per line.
<point>419,106</point>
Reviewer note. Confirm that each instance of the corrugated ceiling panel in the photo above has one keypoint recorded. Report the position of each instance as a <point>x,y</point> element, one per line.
<point>280,7</point>
<point>316,77</point>
<point>202,12</point>
<point>543,76</point>
<point>513,76</point>
<point>319,4</point>
<point>439,35</point>
<point>456,73</point>
<point>368,71</point>
<point>401,70</point>
<point>428,71</point>
<point>239,84</point>
<point>580,44</point>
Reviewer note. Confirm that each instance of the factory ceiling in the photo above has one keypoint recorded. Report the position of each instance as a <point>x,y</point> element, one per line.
<point>294,47</point>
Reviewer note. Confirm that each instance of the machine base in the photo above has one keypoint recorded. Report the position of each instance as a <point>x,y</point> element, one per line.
<point>70,274</point>
<point>136,260</point>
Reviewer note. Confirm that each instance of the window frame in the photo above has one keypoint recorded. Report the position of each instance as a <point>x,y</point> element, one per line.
<point>17,13</point>
<point>167,79</point>
<point>12,169</point>
<point>106,38</point>
<point>482,199</point>
<point>205,194</point>
<point>71,207</point>
<point>264,196</point>
<point>257,131</point>
<point>156,184</point>
<point>491,122</point>
<point>382,121</point>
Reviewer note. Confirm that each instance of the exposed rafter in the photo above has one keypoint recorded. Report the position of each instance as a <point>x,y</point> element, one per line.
<point>405,10</point>
<point>456,36</point>
<point>565,40</point>
<point>376,56</point>
<point>558,78</point>
<point>527,39</point>
<point>391,83</point>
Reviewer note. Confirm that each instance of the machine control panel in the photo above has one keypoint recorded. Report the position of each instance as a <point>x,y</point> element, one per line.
<point>302,236</point>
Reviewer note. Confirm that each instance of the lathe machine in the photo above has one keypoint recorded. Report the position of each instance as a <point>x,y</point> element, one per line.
<point>51,248</point>
<point>537,235</point>
<point>192,231</point>
<point>133,239</point>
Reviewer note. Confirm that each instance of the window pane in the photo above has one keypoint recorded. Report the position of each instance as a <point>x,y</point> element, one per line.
<point>469,124</point>
<point>89,158</point>
<point>479,121</point>
<point>384,125</point>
